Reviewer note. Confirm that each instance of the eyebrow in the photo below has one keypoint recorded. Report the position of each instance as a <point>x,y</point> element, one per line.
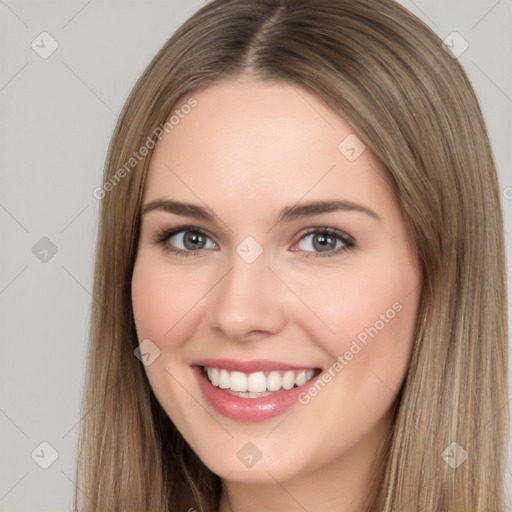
<point>286,214</point>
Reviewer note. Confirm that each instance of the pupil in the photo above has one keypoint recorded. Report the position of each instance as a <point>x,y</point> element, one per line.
<point>323,241</point>
<point>194,238</point>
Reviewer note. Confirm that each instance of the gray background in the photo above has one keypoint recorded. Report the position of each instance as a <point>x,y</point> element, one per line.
<point>57,117</point>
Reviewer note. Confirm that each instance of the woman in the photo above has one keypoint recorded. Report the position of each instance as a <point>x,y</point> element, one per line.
<point>299,294</point>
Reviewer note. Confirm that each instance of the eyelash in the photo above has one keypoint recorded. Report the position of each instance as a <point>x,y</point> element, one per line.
<point>162,237</point>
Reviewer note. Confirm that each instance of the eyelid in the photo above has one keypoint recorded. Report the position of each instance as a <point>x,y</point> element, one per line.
<point>167,233</point>
<point>329,230</point>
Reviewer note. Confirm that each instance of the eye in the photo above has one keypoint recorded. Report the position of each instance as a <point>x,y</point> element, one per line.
<point>327,242</point>
<point>185,241</point>
<point>190,241</point>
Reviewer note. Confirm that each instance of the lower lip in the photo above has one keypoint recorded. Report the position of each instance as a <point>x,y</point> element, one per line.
<point>248,409</point>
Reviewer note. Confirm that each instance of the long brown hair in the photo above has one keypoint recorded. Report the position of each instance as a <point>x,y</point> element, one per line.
<point>410,102</point>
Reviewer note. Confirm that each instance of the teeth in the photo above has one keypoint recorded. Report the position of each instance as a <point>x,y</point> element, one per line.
<point>238,381</point>
<point>223,379</point>
<point>288,380</point>
<point>301,378</point>
<point>274,381</point>
<point>257,384</point>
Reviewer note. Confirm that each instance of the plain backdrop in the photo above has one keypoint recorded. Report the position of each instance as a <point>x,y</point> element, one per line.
<point>57,116</point>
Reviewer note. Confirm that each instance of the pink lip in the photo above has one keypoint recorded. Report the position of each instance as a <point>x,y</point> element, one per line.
<point>249,409</point>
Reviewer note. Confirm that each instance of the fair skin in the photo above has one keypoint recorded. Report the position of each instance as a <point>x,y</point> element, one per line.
<point>247,150</point>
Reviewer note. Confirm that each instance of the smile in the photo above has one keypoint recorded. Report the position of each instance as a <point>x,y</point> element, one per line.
<point>257,384</point>
<point>252,391</point>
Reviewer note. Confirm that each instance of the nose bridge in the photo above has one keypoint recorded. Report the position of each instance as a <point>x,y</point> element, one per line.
<point>247,299</point>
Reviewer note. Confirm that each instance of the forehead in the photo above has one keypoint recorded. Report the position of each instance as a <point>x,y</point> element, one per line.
<point>264,143</point>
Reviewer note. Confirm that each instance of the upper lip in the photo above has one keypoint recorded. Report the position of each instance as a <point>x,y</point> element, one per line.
<point>255,365</point>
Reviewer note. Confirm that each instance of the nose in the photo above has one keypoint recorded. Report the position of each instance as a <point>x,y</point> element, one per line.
<point>248,302</point>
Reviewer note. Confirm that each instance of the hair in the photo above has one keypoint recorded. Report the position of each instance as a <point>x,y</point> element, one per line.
<point>387,75</point>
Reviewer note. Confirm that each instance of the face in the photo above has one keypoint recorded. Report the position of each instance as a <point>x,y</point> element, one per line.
<point>274,284</point>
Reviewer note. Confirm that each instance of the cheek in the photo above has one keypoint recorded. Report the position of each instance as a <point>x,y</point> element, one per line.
<point>372,315</point>
<point>162,300</point>
<point>163,306</point>
<point>363,314</point>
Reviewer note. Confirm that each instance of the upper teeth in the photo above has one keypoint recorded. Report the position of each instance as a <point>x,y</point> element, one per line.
<point>259,381</point>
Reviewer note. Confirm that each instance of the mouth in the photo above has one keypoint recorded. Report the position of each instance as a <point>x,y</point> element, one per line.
<point>257,384</point>
<point>252,391</point>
